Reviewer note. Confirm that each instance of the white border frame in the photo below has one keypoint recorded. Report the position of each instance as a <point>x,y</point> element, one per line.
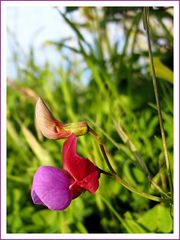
<point>4,5</point>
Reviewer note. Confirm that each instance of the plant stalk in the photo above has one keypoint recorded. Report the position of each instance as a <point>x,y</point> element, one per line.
<point>118,178</point>
<point>133,189</point>
<point>155,85</point>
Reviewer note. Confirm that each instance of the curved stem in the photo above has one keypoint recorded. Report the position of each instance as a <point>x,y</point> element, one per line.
<point>104,172</point>
<point>155,85</point>
<point>118,178</point>
<point>133,189</point>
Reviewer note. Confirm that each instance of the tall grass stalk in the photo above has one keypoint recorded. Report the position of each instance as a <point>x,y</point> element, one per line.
<point>155,85</point>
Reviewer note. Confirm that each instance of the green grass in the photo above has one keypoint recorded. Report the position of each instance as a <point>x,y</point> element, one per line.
<point>118,93</point>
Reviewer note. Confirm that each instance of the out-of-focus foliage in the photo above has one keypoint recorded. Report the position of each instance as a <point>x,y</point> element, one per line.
<point>105,80</point>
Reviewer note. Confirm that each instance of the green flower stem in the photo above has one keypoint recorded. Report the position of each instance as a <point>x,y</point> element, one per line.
<point>118,178</point>
<point>133,189</point>
<point>155,85</point>
<point>104,172</point>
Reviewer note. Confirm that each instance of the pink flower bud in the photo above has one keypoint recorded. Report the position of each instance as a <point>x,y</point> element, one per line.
<point>54,129</point>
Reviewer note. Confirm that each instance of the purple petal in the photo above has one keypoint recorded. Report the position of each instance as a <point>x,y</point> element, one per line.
<point>35,198</point>
<point>51,188</point>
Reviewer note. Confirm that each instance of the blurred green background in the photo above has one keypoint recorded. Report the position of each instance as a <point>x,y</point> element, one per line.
<point>105,80</point>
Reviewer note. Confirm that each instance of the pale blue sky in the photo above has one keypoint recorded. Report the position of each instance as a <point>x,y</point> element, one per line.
<point>33,26</point>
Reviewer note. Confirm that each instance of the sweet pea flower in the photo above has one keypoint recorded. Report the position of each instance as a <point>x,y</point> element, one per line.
<point>55,188</point>
<point>54,129</point>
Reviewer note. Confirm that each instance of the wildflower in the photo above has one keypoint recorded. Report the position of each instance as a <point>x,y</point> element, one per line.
<point>54,129</point>
<point>56,188</point>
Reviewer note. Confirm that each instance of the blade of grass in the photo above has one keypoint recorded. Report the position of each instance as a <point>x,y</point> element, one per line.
<point>138,157</point>
<point>74,28</point>
<point>43,155</point>
<point>116,214</point>
<point>132,148</point>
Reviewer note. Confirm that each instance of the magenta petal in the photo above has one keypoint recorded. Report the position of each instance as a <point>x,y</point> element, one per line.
<point>81,169</point>
<point>51,188</point>
<point>90,183</point>
<point>77,166</point>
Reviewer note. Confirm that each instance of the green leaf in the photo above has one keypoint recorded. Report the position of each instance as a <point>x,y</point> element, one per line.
<point>162,71</point>
<point>157,219</point>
